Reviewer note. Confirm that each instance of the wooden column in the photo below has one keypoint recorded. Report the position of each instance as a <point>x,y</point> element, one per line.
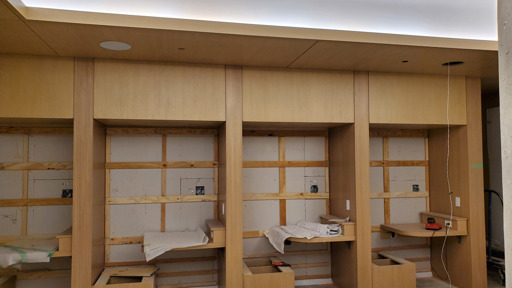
<point>88,181</point>
<point>349,149</point>
<point>476,221</point>
<point>230,182</point>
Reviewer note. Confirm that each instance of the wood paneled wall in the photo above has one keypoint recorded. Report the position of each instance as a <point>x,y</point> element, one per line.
<point>36,87</point>
<point>279,95</point>
<point>158,91</point>
<point>416,99</point>
<point>122,90</point>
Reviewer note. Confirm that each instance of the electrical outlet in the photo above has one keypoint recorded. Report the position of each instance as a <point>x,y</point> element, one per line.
<point>223,211</point>
<point>457,201</point>
<point>447,223</point>
<point>348,205</point>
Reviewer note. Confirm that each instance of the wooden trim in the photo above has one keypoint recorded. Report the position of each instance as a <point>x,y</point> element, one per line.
<point>387,195</point>
<point>43,274</point>
<point>186,273</point>
<point>427,177</point>
<point>376,229</point>
<point>160,165</point>
<point>161,199</point>
<point>306,277</point>
<point>286,196</point>
<point>35,130</point>
<point>265,164</point>
<point>282,181</point>
<point>172,131</point>
<point>398,248</point>
<point>286,133</point>
<point>398,163</point>
<point>310,265</point>
<point>288,253</point>
<point>387,133</point>
<point>387,202</point>
<point>124,240</point>
<point>254,234</point>
<point>162,261</point>
<point>35,202</point>
<point>24,216</point>
<point>164,183</point>
<point>188,285</point>
<point>37,166</point>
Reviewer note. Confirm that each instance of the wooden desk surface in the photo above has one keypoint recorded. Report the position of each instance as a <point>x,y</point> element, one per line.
<point>418,230</point>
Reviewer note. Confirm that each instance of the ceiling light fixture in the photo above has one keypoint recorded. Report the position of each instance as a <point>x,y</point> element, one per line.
<point>115,45</point>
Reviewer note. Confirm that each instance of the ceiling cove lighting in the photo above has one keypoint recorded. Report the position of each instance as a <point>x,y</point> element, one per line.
<point>462,19</point>
<point>115,45</point>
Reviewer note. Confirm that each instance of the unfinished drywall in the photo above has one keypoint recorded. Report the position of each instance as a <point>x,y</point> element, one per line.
<point>136,182</point>
<point>397,180</point>
<point>40,184</point>
<point>264,213</point>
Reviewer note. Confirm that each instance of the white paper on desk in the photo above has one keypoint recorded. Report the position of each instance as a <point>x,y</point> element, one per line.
<point>27,251</point>
<point>157,243</point>
<point>323,230</point>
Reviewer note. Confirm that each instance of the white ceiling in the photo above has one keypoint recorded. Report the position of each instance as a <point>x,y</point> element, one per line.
<point>465,19</point>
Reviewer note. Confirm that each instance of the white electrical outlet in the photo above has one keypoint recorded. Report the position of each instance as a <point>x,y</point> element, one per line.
<point>348,205</point>
<point>457,201</point>
<point>447,223</point>
<point>223,211</point>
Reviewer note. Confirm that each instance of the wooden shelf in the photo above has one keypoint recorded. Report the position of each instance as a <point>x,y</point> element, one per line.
<point>347,228</point>
<point>216,233</point>
<point>418,230</point>
<point>459,226</point>
<point>64,244</point>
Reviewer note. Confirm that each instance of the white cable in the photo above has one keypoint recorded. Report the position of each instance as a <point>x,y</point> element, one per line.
<point>448,176</point>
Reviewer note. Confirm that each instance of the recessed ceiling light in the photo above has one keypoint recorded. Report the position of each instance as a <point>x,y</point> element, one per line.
<point>115,45</point>
<point>453,63</point>
<point>181,48</point>
<point>405,61</point>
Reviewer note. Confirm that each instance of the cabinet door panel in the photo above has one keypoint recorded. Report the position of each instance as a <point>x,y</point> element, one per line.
<point>416,99</point>
<point>158,91</point>
<point>36,87</point>
<point>279,95</point>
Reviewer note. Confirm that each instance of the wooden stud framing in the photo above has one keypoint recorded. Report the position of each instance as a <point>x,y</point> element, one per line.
<point>26,166</point>
<point>385,163</point>
<point>282,182</point>
<point>163,165</point>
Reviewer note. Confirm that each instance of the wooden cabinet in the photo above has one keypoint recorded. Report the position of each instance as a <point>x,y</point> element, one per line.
<point>36,87</point>
<point>416,99</point>
<point>158,91</point>
<point>279,95</point>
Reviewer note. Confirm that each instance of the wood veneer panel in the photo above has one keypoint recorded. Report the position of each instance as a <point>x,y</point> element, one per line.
<point>279,95</point>
<point>465,260</point>
<point>416,99</point>
<point>88,182</point>
<point>349,180</point>
<point>230,182</point>
<point>158,91</point>
<point>36,87</point>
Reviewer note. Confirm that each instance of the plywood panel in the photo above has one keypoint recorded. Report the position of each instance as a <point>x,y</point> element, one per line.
<point>159,91</point>
<point>276,95</point>
<point>416,99</point>
<point>230,182</point>
<point>88,182</point>
<point>36,87</point>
